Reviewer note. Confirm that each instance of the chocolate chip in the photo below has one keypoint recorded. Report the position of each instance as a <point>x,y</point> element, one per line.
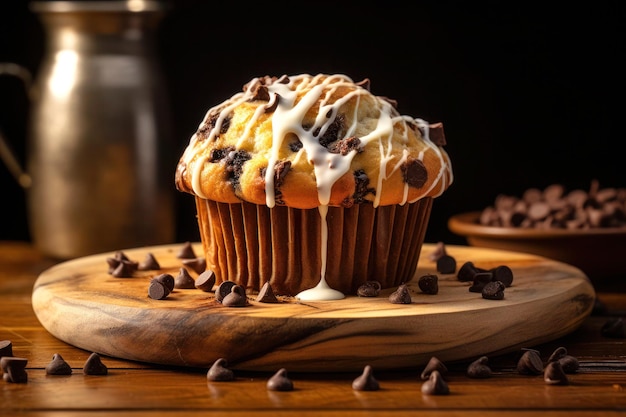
<point>414,172</point>
<point>14,369</point>
<point>429,283</point>
<point>198,265</point>
<point>446,264</point>
<point>280,381</point>
<point>167,280</point>
<point>223,290</point>
<point>219,371</point>
<point>234,166</point>
<point>467,271</point>
<point>186,251</point>
<point>366,381</point>
<point>401,295</point>
<point>434,364</point>
<point>149,263</point>
<point>333,132</point>
<point>58,366</point>
<point>94,366</point>
<point>157,290</point>
<point>504,274</point>
<point>554,208</point>
<point>614,328</point>
<point>295,145</point>
<point>205,281</point>
<point>435,385</point>
<point>361,186</point>
<point>6,348</point>
<point>258,89</point>
<point>183,280</point>
<point>370,288</point>
<point>236,297</point>
<point>569,363</point>
<point>273,104</point>
<point>554,374</point>
<point>480,280</point>
<point>438,252</point>
<point>530,363</point>
<point>346,145</point>
<point>266,294</point>
<point>493,290</point>
<point>436,134</point>
<point>281,169</point>
<point>479,368</point>
<point>125,269</point>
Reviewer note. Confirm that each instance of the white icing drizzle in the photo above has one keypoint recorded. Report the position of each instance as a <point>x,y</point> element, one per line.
<point>328,167</point>
<point>322,290</point>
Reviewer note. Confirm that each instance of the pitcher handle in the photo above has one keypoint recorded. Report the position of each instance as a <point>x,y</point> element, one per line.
<point>6,153</point>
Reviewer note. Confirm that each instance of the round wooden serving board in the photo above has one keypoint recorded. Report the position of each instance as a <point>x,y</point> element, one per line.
<point>79,302</point>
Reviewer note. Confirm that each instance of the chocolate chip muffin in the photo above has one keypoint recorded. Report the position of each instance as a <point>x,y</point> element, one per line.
<point>313,182</point>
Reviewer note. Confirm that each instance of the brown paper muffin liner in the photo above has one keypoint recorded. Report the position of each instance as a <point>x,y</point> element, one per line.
<point>251,244</point>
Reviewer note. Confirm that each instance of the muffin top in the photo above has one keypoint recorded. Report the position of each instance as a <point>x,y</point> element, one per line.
<point>306,141</point>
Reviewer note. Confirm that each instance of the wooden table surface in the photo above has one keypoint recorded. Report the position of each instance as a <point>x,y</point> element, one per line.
<point>140,389</point>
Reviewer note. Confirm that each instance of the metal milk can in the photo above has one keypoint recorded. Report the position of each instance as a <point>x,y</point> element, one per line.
<point>97,172</point>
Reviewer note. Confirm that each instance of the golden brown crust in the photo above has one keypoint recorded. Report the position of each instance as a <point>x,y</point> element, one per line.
<point>303,141</point>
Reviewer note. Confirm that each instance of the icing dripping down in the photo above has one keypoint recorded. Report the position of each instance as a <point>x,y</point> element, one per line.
<point>322,290</point>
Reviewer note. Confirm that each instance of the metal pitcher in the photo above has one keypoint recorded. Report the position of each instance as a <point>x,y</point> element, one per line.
<point>97,171</point>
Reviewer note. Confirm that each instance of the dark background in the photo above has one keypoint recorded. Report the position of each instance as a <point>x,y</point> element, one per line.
<point>530,95</point>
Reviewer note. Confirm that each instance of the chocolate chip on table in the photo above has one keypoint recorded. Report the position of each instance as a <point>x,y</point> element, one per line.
<point>183,280</point>
<point>569,363</point>
<point>198,265</point>
<point>370,288</point>
<point>493,290</point>
<point>480,280</point>
<point>205,281</point>
<point>467,271</point>
<point>266,294</point>
<point>479,368</point>
<point>614,328</point>
<point>121,266</point>
<point>554,374</point>
<point>504,274</point>
<point>157,290</point>
<point>236,297</point>
<point>94,366</point>
<point>530,363</point>
<point>435,385</point>
<point>186,251</point>
<point>434,364</point>
<point>280,381</point>
<point>429,284</point>
<point>58,366</point>
<point>6,348</point>
<point>223,289</point>
<point>149,263</point>
<point>219,371</point>
<point>167,280</point>
<point>14,369</point>
<point>366,381</point>
<point>446,264</point>
<point>401,295</point>
<point>438,252</point>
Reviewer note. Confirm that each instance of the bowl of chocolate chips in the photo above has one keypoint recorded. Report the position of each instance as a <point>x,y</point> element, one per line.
<point>583,228</point>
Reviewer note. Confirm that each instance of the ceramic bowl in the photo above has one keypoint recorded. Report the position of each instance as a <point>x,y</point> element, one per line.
<point>600,252</point>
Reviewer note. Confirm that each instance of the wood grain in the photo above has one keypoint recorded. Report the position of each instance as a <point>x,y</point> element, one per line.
<point>80,303</point>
